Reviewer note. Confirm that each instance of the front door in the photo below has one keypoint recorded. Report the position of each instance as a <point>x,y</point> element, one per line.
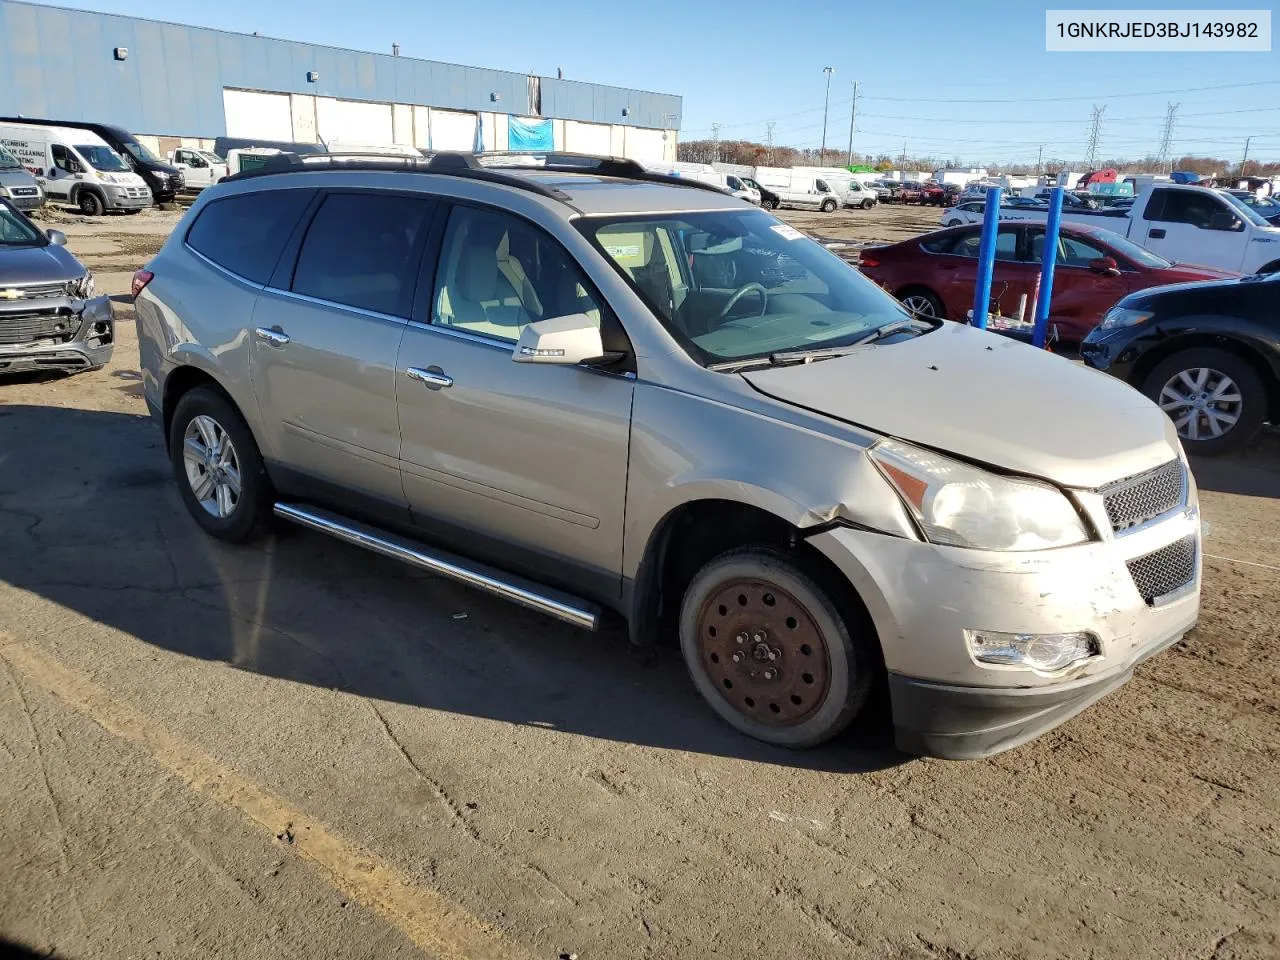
<point>194,167</point>
<point>325,336</point>
<point>65,172</point>
<point>1181,226</point>
<point>526,459</point>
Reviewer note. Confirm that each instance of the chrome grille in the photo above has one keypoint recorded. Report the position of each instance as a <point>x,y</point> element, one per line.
<point>38,325</point>
<point>24,191</point>
<point>34,291</point>
<point>1165,570</point>
<point>1138,499</point>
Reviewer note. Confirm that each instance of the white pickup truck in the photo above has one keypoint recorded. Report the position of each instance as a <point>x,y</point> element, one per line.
<point>200,168</point>
<point>1185,224</point>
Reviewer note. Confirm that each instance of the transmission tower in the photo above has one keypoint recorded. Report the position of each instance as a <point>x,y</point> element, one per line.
<point>769,139</point>
<point>715,142</point>
<point>1095,134</point>
<point>1166,138</point>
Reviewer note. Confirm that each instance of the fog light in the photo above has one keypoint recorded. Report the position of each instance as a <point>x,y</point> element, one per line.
<point>1042,652</point>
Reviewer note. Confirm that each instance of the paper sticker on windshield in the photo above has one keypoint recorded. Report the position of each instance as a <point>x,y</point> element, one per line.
<point>623,251</point>
<point>787,232</point>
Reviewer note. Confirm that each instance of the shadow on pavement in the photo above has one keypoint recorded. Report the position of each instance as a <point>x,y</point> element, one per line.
<point>90,519</point>
<point>9,950</point>
<point>1253,472</point>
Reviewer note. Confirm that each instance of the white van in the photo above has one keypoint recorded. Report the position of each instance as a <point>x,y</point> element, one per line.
<point>799,189</point>
<point>741,189</point>
<point>200,168</point>
<point>77,167</point>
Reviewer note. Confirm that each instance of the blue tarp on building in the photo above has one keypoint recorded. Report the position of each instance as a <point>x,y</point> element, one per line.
<point>529,134</point>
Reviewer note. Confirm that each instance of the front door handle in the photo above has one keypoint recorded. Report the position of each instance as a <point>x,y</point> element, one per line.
<point>272,335</point>
<point>433,377</point>
<point>1156,234</point>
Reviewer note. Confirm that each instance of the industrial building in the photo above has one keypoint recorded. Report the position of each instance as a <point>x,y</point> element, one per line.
<point>174,85</point>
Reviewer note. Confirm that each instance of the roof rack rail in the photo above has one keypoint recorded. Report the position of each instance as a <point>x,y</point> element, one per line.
<point>469,166</point>
<point>559,161</point>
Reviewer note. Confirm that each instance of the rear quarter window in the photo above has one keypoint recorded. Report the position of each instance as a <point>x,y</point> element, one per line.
<point>246,233</point>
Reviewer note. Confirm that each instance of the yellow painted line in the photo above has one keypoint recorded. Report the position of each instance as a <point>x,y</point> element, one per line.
<point>433,922</point>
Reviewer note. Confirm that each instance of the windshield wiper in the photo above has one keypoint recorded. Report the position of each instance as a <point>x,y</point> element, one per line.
<point>816,353</point>
<point>888,329</point>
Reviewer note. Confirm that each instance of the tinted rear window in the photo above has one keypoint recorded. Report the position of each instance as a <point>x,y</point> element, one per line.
<point>246,233</point>
<point>363,251</point>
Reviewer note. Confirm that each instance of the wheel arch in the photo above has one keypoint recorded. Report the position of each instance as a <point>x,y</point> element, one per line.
<point>73,197</point>
<point>696,531</point>
<point>1212,341</point>
<point>181,381</point>
<point>1271,267</point>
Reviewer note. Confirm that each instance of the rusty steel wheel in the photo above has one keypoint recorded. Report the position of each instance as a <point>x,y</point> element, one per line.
<point>769,649</point>
<point>764,652</point>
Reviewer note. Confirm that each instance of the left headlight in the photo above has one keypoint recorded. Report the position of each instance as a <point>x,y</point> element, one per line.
<point>82,287</point>
<point>960,505</point>
<point>1118,317</point>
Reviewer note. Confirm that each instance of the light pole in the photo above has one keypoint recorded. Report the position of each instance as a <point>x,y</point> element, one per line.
<point>1247,141</point>
<point>825,103</point>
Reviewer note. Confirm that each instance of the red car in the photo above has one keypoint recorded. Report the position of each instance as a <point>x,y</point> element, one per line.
<point>934,274</point>
<point>933,194</point>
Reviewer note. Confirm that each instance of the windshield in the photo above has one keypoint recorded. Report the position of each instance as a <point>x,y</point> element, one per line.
<point>102,158</point>
<point>141,152</point>
<point>211,157</point>
<point>1139,255</point>
<point>732,285</point>
<point>17,231</point>
<point>8,161</point>
<point>1245,212</point>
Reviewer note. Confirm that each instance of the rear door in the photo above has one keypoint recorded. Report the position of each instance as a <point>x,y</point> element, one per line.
<point>325,335</point>
<point>1180,226</point>
<point>1081,295</point>
<point>957,271</point>
<point>522,459</point>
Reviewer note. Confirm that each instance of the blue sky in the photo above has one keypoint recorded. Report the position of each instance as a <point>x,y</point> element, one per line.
<point>920,68</point>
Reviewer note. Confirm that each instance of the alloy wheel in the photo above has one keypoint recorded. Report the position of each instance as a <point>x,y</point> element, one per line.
<point>920,306</point>
<point>212,466</point>
<point>763,652</point>
<point>1203,403</point>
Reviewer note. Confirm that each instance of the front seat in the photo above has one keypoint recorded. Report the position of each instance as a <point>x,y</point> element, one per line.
<point>483,299</point>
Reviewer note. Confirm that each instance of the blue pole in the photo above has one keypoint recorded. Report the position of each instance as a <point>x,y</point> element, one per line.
<point>986,258</point>
<point>1049,260</point>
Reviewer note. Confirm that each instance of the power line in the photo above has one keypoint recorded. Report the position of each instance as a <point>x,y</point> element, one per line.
<point>1106,96</point>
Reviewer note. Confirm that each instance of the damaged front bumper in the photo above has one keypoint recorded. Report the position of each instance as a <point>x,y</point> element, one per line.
<point>56,334</point>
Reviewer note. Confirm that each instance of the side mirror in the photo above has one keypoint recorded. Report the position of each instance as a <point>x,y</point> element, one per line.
<point>57,238</point>
<point>1224,220</point>
<point>564,340</point>
<point>1105,265</point>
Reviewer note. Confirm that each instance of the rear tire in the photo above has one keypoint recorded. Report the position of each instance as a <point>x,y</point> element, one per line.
<point>923,303</point>
<point>90,203</point>
<point>805,669</point>
<point>1184,386</point>
<point>218,467</point>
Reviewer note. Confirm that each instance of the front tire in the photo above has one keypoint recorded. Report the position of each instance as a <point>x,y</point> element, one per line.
<point>218,467</point>
<point>90,204</point>
<point>828,206</point>
<point>1215,399</point>
<point>770,650</point>
<point>867,204</point>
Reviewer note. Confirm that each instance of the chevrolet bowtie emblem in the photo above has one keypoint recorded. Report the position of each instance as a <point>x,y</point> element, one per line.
<point>13,293</point>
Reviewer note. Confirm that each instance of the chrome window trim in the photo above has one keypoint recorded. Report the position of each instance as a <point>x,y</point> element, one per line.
<point>372,314</point>
<point>221,269</point>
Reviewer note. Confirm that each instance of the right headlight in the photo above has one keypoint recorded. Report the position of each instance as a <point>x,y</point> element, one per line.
<point>964,506</point>
<point>1118,317</point>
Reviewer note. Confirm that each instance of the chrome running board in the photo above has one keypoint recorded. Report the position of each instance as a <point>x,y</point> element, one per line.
<point>561,606</point>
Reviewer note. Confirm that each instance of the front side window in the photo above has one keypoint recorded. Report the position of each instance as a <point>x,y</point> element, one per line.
<point>498,273</point>
<point>17,231</point>
<point>734,285</point>
<point>246,233</point>
<point>102,158</point>
<point>62,158</point>
<point>363,250</point>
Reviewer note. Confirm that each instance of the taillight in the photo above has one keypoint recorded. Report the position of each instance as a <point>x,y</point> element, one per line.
<point>140,280</point>
<point>864,260</point>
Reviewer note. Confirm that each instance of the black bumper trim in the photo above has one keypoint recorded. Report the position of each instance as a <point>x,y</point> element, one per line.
<point>969,723</point>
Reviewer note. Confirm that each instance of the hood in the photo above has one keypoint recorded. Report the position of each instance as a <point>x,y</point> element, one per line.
<point>22,265</point>
<point>1227,283</point>
<point>1192,272</point>
<point>986,398</point>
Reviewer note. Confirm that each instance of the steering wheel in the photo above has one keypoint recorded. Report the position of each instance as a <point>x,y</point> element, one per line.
<point>742,292</point>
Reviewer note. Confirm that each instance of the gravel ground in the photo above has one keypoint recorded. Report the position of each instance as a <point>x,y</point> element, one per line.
<point>301,750</point>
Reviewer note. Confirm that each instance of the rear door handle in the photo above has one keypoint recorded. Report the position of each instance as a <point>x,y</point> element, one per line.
<point>274,336</point>
<point>1156,234</point>
<point>433,377</point>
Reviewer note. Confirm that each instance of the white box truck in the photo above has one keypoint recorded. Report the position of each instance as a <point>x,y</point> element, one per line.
<point>77,167</point>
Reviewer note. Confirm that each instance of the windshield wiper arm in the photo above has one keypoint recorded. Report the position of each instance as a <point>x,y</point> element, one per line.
<point>886,330</point>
